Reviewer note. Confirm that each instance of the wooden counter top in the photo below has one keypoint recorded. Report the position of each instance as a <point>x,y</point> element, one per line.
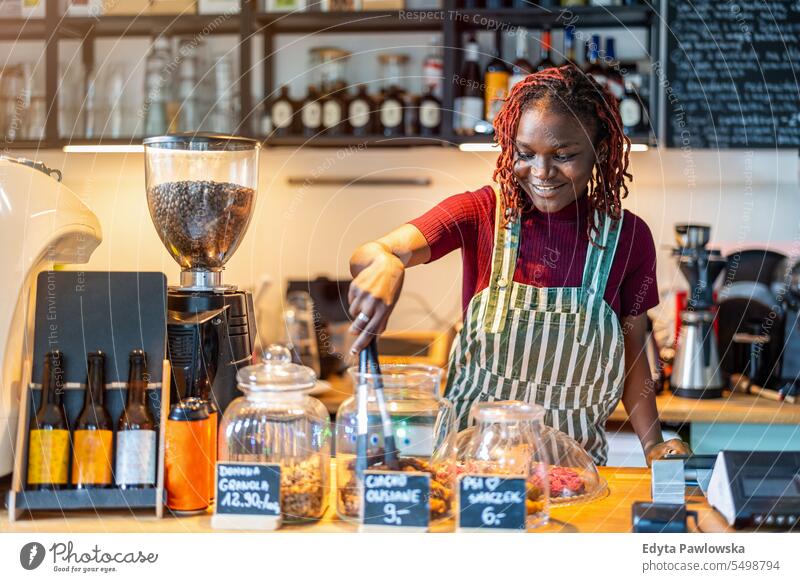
<point>611,513</point>
<point>734,408</point>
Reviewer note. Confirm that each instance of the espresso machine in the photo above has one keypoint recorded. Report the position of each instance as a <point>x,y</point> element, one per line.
<point>696,371</point>
<point>42,223</point>
<point>201,192</point>
<point>788,292</point>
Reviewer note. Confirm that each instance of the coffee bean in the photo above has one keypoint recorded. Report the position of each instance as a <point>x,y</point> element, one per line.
<point>200,222</point>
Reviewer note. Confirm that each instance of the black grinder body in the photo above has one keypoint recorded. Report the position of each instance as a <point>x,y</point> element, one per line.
<point>210,335</point>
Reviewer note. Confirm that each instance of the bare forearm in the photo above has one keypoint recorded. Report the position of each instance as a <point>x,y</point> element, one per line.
<point>639,396</point>
<point>639,400</point>
<point>405,243</point>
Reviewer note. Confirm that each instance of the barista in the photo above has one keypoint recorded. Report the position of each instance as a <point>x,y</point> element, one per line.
<point>557,278</point>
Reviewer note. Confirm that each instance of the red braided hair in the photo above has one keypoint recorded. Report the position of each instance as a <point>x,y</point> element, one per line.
<point>573,92</point>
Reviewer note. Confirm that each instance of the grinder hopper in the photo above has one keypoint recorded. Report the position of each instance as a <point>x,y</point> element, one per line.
<point>201,192</point>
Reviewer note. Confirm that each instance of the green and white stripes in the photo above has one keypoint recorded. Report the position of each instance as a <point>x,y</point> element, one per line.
<point>558,347</point>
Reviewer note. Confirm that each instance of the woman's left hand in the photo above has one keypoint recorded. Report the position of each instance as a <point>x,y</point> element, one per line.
<point>670,447</point>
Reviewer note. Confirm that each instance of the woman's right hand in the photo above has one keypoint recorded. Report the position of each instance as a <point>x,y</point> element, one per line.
<point>374,291</point>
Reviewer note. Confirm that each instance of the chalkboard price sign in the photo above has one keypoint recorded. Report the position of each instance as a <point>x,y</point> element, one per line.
<point>731,74</point>
<point>396,500</point>
<point>491,503</point>
<point>248,496</point>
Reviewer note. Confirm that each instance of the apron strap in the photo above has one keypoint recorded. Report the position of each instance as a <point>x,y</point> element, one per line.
<point>596,271</point>
<point>504,263</point>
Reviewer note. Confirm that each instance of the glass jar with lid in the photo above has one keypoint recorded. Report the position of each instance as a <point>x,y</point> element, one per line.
<point>506,441</point>
<point>330,66</point>
<point>276,421</point>
<point>423,425</point>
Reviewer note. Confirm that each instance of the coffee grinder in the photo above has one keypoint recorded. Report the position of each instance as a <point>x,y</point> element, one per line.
<point>201,192</point>
<point>696,372</point>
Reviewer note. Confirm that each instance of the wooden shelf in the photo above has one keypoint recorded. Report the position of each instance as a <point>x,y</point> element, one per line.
<point>349,140</point>
<point>149,25</point>
<point>361,21</point>
<point>558,17</point>
<point>13,29</point>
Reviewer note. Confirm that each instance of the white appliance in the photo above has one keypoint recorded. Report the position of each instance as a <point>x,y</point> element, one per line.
<point>42,223</point>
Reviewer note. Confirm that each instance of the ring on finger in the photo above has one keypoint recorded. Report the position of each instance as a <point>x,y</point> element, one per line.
<point>362,318</point>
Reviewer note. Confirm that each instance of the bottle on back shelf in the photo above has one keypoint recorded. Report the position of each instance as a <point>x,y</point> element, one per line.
<point>392,108</point>
<point>496,79</point>
<point>614,80</point>
<point>93,438</point>
<point>282,114</point>
<point>522,66</point>
<point>545,62</point>
<point>433,69</point>
<point>333,89</point>
<point>468,104</point>
<point>360,113</point>
<point>136,431</point>
<point>594,67</point>
<point>429,117</point>
<point>360,116</point>
<point>633,111</point>
<point>48,447</point>
<point>569,45</point>
<point>311,113</point>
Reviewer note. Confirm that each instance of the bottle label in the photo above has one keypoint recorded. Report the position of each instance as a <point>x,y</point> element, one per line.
<point>630,112</point>
<point>281,114</point>
<point>617,89</point>
<point>331,114</point>
<point>136,457</point>
<point>91,462</point>
<point>430,114</point>
<point>311,115</point>
<point>359,113</point>
<point>469,111</point>
<point>391,113</point>
<point>48,457</point>
<point>496,91</point>
<point>433,74</point>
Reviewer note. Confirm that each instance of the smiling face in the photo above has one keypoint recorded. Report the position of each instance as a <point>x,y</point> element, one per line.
<point>554,156</point>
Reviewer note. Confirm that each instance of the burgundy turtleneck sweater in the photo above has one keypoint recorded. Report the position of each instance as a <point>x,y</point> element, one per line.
<point>552,249</point>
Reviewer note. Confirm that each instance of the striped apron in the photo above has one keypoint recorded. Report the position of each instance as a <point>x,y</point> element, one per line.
<point>561,347</point>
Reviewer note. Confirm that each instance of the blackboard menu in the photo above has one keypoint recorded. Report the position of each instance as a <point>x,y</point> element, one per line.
<point>732,76</point>
<point>492,502</point>
<point>248,489</point>
<point>396,499</point>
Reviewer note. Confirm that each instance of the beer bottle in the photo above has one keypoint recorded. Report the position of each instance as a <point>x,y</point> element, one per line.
<point>93,438</point>
<point>48,447</point>
<point>136,434</point>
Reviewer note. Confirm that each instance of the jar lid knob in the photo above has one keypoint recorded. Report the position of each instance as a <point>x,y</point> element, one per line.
<point>276,354</point>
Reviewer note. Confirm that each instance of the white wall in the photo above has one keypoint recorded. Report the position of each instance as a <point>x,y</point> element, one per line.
<point>304,232</point>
